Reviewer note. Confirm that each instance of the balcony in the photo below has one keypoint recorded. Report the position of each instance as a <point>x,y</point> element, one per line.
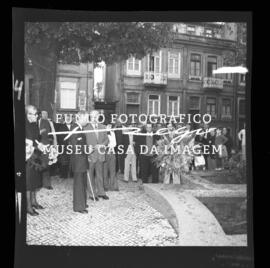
<point>227,82</point>
<point>155,79</point>
<point>195,78</point>
<point>212,83</point>
<point>226,117</point>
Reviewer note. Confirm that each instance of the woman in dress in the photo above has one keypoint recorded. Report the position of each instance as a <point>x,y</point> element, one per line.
<point>33,163</point>
<point>222,152</point>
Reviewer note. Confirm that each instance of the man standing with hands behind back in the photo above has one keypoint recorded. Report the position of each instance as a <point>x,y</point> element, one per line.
<point>79,165</point>
<point>98,141</point>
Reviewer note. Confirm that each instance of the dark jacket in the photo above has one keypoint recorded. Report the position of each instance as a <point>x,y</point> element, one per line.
<point>79,162</point>
<point>119,137</point>
<point>229,145</point>
<point>45,128</point>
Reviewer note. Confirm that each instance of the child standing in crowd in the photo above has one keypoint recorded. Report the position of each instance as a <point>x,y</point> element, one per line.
<point>222,152</point>
<point>199,161</point>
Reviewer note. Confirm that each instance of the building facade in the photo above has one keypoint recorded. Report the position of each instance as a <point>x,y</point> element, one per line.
<point>73,89</point>
<point>179,79</point>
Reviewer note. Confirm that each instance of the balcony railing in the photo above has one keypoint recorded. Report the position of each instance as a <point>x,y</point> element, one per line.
<point>152,78</point>
<point>211,82</point>
<point>226,116</point>
<point>228,82</point>
<point>195,78</point>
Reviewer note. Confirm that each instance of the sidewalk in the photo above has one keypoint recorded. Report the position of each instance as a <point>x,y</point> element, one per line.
<point>126,219</point>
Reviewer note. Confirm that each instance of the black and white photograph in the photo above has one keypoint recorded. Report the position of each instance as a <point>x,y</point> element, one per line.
<point>135,133</point>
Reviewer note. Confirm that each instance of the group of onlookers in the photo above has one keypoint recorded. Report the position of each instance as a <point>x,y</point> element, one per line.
<point>98,172</point>
<point>220,138</point>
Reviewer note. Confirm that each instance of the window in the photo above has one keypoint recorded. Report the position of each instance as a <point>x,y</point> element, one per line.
<point>242,104</point>
<point>226,108</point>
<point>154,104</point>
<point>211,106</point>
<point>174,64</point>
<point>228,76</point>
<point>68,93</point>
<point>194,103</point>
<point>211,65</point>
<point>154,63</point>
<point>133,98</point>
<point>173,106</point>
<point>242,78</point>
<point>195,64</point>
<point>133,66</point>
<point>208,32</point>
<point>190,29</point>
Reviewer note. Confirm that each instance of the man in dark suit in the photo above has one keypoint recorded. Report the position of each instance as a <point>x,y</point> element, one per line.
<point>63,159</point>
<point>98,141</point>
<point>147,164</point>
<point>120,160</point>
<point>44,128</point>
<point>79,165</point>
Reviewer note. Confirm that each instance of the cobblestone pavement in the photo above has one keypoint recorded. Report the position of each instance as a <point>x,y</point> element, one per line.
<point>126,219</point>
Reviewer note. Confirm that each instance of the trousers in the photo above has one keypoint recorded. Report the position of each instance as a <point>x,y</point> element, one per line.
<point>79,191</point>
<point>110,179</point>
<point>130,160</point>
<point>175,176</point>
<point>96,177</point>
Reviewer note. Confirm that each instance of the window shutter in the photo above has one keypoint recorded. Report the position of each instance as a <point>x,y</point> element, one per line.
<point>157,64</point>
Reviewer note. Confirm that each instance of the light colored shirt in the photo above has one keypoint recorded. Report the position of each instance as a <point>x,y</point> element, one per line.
<point>131,140</point>
<point>95,126</point>
<point>112,139</point>
<point>242,136</point>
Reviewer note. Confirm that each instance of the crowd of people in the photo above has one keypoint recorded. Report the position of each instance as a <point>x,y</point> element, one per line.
<point>98,172</point>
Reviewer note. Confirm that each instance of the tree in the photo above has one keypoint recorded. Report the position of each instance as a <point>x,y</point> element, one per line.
<point>239,57</point>
<point>47,43</point>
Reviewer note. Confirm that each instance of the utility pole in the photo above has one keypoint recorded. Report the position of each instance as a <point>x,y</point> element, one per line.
<point>235,79</point>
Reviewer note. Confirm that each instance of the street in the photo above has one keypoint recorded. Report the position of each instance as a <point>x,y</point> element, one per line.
<point>126,219</point>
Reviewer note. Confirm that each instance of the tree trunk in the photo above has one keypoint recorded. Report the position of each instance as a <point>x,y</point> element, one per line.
<point>44,66</point>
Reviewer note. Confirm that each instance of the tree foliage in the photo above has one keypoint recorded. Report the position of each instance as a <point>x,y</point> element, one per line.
<point>239,57</point>
<point>80,42</point>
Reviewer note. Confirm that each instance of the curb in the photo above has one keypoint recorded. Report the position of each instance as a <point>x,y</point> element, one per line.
<point>161,204</point>
<point>199,227</point>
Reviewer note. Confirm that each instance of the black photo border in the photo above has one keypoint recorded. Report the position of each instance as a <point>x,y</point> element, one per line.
<point>51,256</point>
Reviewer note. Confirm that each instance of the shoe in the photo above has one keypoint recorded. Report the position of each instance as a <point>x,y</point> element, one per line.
<point>85,211</point>
<point>37,206</point>
<point>49,188</point>
<point>105,197</point>
<point>32,212</point>
<point>125,181</point>
<point>93,198</point>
